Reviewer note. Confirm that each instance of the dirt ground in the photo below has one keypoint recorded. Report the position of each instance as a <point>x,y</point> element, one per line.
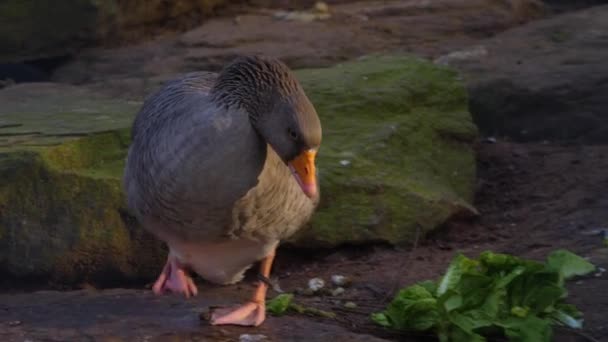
<point>533,198</point>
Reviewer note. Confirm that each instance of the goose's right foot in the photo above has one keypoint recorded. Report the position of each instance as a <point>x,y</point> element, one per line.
<point>174,278</point>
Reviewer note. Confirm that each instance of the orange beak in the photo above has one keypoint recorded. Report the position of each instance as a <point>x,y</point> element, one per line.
<point>303,169</point>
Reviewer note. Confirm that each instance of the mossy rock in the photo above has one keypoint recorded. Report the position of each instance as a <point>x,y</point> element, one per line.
<point>62,211</point>
<point>396,159</point>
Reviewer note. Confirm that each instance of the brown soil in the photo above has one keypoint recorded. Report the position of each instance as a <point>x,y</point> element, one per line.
<point>533,198</point>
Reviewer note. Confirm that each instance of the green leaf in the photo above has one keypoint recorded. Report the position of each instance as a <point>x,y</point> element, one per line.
<point>497,261</point>
<point>414,308</point>
<point>528,329</point>
<point>518,311</point>
<point>279,304</point>
<point>471,320</point>
<point>495,293</point>
<point>459,266</point>
<point>381,319</point>
<point>451,301</point>
<point>503,282</point>
<point>475,288</point>
<point>568,264</point>
<point>429,285</point>
<point>538,290</point>
<point>542,291</point>
<point>459,335</point>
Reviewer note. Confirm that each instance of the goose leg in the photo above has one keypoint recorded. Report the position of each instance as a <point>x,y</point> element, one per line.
<point>252,313</point>
<point>174,278</point>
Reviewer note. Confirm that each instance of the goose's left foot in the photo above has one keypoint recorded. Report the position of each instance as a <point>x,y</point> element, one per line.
<point>252,313</point>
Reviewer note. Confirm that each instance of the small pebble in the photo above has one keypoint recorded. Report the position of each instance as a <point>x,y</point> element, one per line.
<point>339,280</point>
<point>600,271</point>
<point>337,291</point>
<point>252,337</point>
<point>350,305</point>
<point>344,162</point>
<point>315,284</point>
<point>14,323</point>
<point>321,7</point>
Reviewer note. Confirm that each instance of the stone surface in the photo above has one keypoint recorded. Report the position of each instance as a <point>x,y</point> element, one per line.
<point>396,162</point>
<point>61,203</point>
<point>396,157</point>
<point>137,315</point>
<point>35,29</point>
<point>546,80</point>
<point>354,29</point>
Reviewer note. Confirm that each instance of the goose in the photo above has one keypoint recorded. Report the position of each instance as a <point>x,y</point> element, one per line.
<point>221,168</point>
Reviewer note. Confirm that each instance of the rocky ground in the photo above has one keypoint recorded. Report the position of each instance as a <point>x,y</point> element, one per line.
<point>533,198</point>
<point>537,191</point>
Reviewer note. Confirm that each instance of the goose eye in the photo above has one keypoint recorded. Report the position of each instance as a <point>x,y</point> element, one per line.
<point>292,134</point>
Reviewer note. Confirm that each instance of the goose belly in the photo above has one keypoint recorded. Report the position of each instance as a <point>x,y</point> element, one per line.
<point>222,261</point>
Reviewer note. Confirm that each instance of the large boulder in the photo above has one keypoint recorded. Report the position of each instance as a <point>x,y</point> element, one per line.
<point>396,158</point>
<point>396,162</point>
<point>61,204</point>
<point>37,29</point>
<point>546,80</point>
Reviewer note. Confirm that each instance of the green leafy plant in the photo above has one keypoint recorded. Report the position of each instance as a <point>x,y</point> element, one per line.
<point>281,304</point>
<point>496,293</point>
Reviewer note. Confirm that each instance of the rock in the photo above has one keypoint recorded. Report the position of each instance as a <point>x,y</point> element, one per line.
<point>138,315</point>
<point>354,29</point>
<point>19,73</point>
<point>320,11</point>
<point>252,337</point>
<point>37,29</point>
<point>62,211</point>
<point>41,29</point>
<point>340,280</point>
<point>403,125</point>
<point>316,284</point>
<point>350,305</point>
<point>546,80</point>
<point>401,122</point>
<point>337,291</point>
<point>569,5</point>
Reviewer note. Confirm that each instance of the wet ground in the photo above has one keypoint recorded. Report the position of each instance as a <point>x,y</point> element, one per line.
<point>533,198</point>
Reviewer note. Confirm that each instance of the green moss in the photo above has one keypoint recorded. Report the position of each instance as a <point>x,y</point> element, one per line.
<point>61,198</point>
<point>99,155</point>
<point>396,154</point>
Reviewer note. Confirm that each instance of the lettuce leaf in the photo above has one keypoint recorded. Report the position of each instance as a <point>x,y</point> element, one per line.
<point>279,304</point>
<point>496,293</point>
<point>568,264</point>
